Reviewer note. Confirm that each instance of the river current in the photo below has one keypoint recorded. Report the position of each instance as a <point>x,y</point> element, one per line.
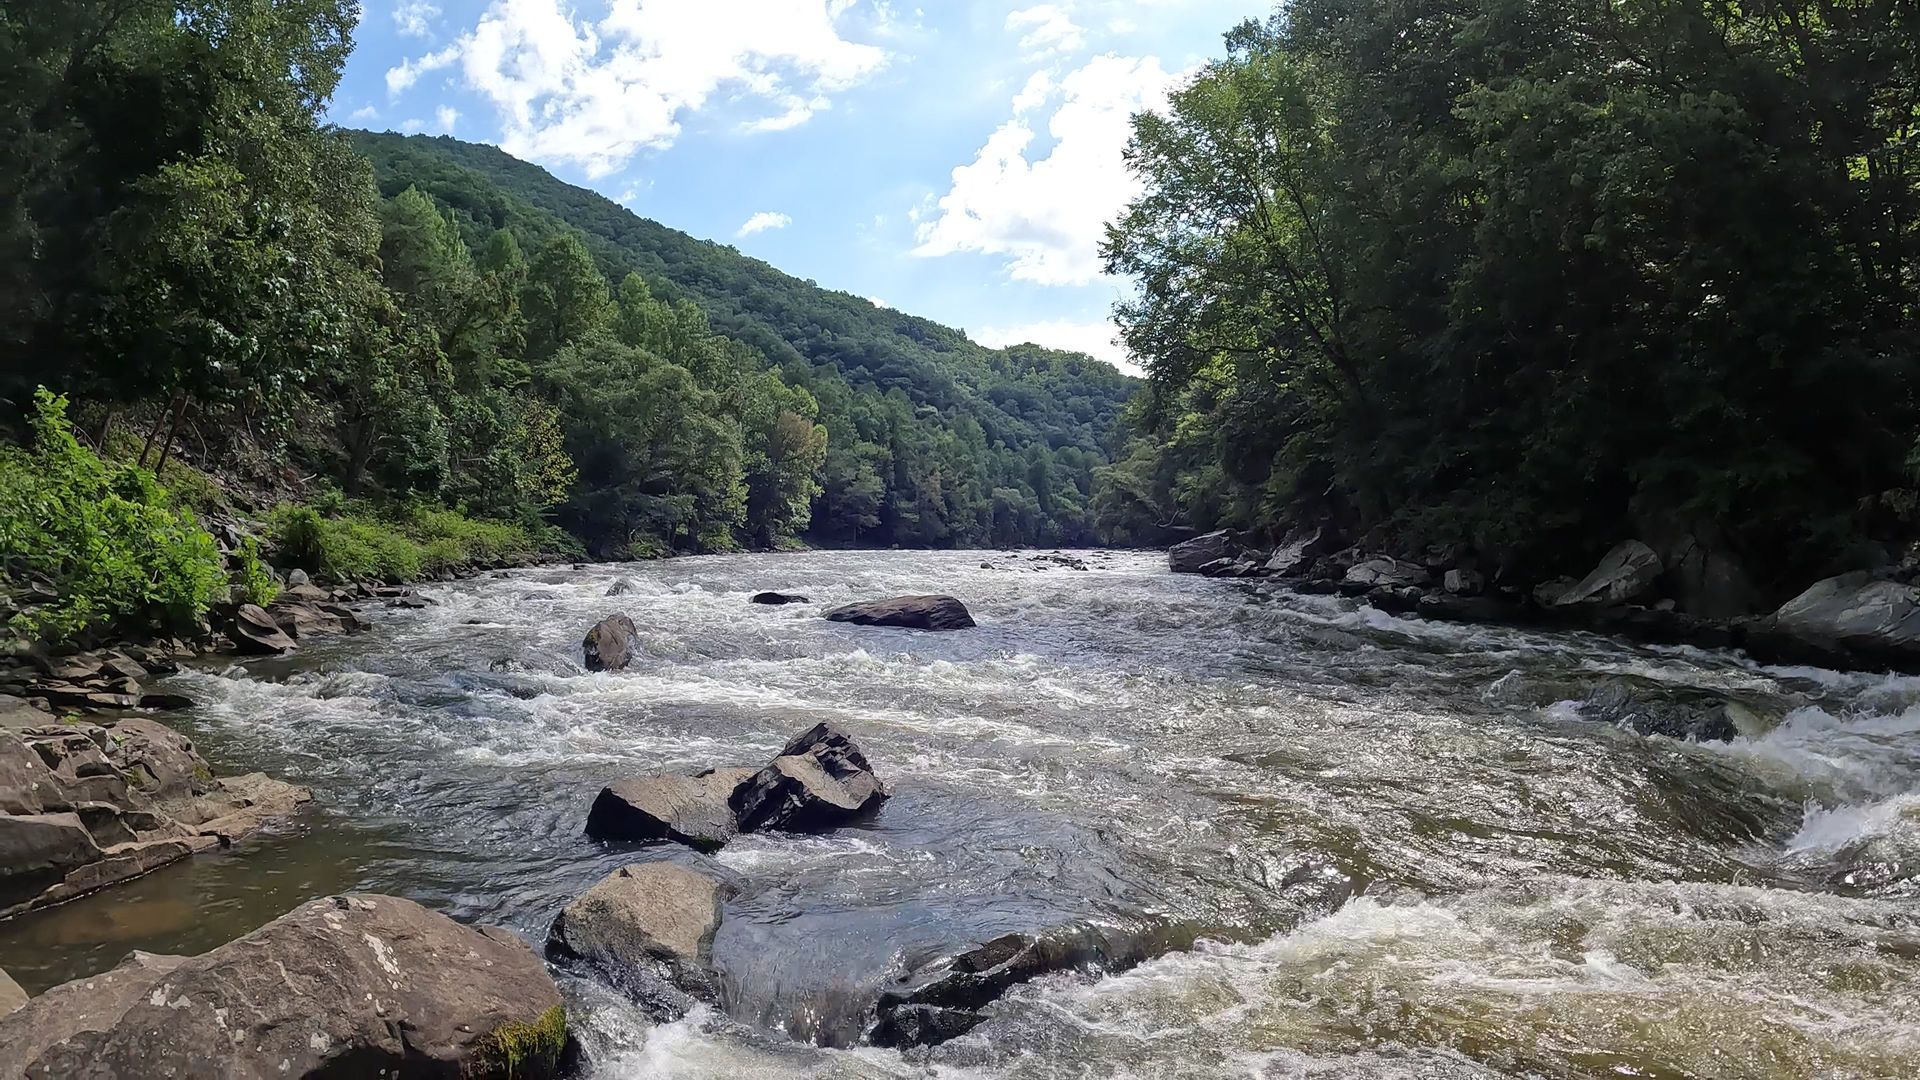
<point>1360,845</point>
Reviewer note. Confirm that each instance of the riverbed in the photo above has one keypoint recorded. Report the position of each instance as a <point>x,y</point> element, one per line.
<point>1359,845</point>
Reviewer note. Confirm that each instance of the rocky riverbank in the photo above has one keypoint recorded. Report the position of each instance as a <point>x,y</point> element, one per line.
<point>1869,620</point>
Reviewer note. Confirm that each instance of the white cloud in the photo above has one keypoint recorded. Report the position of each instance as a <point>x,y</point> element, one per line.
<point>364,113</point>
<point>763,221</point>
<point>1045,29</point>
<point>879,303</point>
<point>446,116</point>
<point>401,78</point>
<point>596,93</point>
<point>1047,215</point>
<point>415,18</point>
<point>1096,339</point>
<point>413,125</point>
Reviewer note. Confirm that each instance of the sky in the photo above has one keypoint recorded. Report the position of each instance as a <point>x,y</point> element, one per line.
<point>956,160</point>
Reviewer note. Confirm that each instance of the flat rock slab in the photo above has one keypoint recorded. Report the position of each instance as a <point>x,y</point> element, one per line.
<point>640,914</point>
<point>690,810</point>
<point>909,612</point>
<point>92,1004</point>
<point>344,986</point>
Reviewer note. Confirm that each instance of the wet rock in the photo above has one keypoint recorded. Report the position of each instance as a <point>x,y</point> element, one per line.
<point>255,631</point>
<point>941,1001</point>
<point>1470,609</point>
<point>11,996</point>
<point>344,986</point>
<point>646,917</point>
<point>1549,593</point>
<point>1188,556</point>
<point>910,612</point>
<point>1459,582</point>
<point>691,810</point>
<point>820,780</point>
<point>612,644</point>
<point>779,598</point>
<point>165,701</point>
<point>1299,549</point>
<point>620,588</point>
<point>1647,711</point>
<point>302,619</point>
<point>1625,573</point>
<point>1398,599</point>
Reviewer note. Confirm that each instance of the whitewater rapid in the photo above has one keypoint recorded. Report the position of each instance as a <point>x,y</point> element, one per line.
<point>1365,845</point>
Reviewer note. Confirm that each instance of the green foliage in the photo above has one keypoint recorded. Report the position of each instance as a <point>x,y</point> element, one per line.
<point>402,546</point>
<point>255,582</point>
<point>106,535</point>
<point>1531,277</point>
<point>514,1050</point>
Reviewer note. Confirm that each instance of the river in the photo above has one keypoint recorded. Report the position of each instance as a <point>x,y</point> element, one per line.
<point>1369,846</point>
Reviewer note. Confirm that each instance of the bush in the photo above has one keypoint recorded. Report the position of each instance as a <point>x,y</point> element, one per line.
<point>359,544</point>
<point>252,577</point>
<point>105,535</point>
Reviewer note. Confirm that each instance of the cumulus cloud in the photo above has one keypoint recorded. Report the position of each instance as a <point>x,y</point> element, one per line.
<point>1097,339</point>
<point>763,221</point>
<point>595,93</point>
<point>415,18</point>
<point>1047,214</point>
<point>363,114</point>
<point>446,116</point>
<point>1045,29</point>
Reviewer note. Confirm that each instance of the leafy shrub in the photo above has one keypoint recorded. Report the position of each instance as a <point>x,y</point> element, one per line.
<point>252,577</point>
<point>360,545</point>
<point>106,535</point>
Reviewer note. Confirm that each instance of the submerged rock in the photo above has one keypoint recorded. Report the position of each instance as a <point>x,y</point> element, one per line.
<point>612,644</point>
<point>779,598</point>
<point>691,810</point>
<point>647,919</point>
<point>343,986</point>
<point>819,781</point>
<point>620,588</point>
<point>1697,718</point>
<point>910,612</point>
<point>1188,556</point>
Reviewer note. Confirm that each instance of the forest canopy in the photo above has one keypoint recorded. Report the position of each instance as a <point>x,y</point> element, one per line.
<point>1535,276</point>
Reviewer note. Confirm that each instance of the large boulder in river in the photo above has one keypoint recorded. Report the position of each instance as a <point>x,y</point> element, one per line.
<point>1625,573</point>
<point>690,810</point>
<point>643,918</point>
<point>779,598</point>
<point>1384,571</point>
<point>612,644</point>
<point>1653,710</point>
<point>910,612</point>
<point>343,986</point>
<point>92,1004</point>
<point>819,781</point>
<point>255,631</point>
<point>1861,613</point>
<point>1188,556</point>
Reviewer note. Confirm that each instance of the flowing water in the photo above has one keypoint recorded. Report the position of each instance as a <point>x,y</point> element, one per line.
<point>1361,845</point>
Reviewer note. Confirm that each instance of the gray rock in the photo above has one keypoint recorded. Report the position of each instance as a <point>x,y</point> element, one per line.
<point>641,916</point>
<point>820,780</point>
<point>1856,611</point>
<point>255,631</point>
<point>1460,582</point>
<point>1188,556</point>
<point>909,612</point>
<point>612,644</point>
<point>691,810</point>
<point>1549,593</point>
<point>1650,711</point>
<point>297,578</point>
<point>92,1004</point>
<point>1625,573</point>
<point>1299,549</point>
<point>11,996</point>
<point>620,588</point>
<point>343,986</point>
<point>1383,570</point>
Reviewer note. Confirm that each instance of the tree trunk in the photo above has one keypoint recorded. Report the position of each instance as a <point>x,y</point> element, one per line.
<point>173,429</point>
<point>154,431</point>
<point>360,438</point>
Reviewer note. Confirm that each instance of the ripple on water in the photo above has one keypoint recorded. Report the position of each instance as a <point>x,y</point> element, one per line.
<point>1192,760</point>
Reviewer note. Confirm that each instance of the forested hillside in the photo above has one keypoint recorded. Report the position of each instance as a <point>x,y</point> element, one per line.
<point>215,310</point>
<point>1539,277</point>
<point>932,440</point>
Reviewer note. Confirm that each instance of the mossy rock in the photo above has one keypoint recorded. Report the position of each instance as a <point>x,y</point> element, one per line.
<point>523,1051</point>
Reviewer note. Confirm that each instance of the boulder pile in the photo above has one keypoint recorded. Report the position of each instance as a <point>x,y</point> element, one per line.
<point>819,780</point>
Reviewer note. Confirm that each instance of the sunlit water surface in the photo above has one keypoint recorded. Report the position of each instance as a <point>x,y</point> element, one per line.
<point>1369,846</point>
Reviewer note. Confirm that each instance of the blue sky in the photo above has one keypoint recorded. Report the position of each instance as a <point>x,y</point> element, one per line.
<point>954,160</point>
